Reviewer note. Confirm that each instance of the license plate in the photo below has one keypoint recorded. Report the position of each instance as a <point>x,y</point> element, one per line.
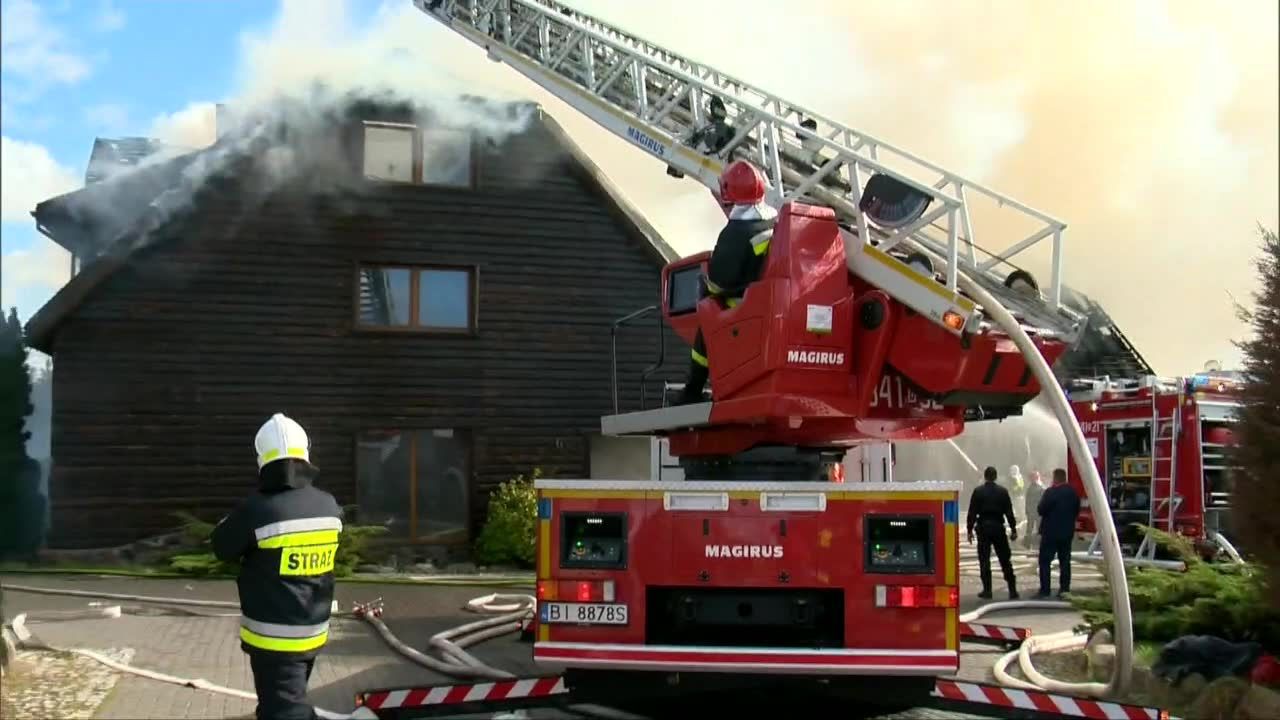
<point>583,613</point>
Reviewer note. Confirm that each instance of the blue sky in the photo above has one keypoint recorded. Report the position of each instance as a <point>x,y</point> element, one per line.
<point>73,70</point>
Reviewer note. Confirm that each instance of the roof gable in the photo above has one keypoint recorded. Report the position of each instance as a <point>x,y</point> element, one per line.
<point>105,220</point>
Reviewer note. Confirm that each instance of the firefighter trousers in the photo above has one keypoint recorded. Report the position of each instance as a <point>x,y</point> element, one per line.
<point>998,541</point>
<point>280,681</point>
<point>699,368</point>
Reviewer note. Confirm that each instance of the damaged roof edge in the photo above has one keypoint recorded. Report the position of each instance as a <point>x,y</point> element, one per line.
<point>43,325</point>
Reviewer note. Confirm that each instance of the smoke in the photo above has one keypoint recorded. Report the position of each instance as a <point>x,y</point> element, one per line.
<point>1149,127</point>
<point>1033,442</point>
<point>298,78</point>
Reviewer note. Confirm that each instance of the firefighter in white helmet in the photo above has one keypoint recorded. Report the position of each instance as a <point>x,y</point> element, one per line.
<point>285,536</point>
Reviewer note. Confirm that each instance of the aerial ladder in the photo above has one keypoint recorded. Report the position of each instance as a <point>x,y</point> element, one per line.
<point>696,119</point>
<point>906,231</point>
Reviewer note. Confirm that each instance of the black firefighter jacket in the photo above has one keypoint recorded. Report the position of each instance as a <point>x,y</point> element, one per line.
<point>738,257</point>
<point>286,538</point>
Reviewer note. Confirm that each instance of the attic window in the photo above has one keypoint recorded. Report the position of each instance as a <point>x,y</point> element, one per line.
<point>408,154</point>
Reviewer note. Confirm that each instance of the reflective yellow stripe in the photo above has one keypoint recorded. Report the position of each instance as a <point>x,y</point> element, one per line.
<point>762,248</point>
<point>713,288</point>
<point>297,452</point>
<point>265,642</point>
<point>312,537</point>
<point>699,358</point>
<point>732,302</point>
<point>308,560</point>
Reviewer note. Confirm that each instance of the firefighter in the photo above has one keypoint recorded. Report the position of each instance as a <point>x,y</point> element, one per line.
<point>989,507</point>
<point>285,536</point>
<point>738,257</point>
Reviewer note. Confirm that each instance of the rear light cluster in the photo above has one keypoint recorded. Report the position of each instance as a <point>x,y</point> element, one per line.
<point>577,590</point>
<point>917,596</point>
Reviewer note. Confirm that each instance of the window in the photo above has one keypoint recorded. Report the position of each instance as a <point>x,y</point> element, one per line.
<point>415,483</point>
<point>406,153</point>
<point>438,299</point>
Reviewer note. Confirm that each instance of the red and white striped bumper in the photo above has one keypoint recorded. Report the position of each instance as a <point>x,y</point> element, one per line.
<point>760,660</point>
<point>1042,702</point>
<point>457,694</point>
<point>982,631</point>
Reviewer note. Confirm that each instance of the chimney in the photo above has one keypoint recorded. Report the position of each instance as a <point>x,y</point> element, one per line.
<point>221,120</point>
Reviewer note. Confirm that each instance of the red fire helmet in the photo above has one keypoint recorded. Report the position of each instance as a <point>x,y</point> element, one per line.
<point>741,184</point>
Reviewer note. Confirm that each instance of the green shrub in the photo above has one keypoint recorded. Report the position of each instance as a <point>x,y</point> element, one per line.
<point>352,542</point>
<point>509,534</point>
<point>1226,600</point>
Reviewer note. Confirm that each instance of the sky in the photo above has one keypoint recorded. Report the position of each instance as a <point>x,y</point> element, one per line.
<point>1150,127</point>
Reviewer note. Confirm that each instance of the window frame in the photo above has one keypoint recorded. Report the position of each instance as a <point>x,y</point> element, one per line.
<point>418,166</point>
<point>415,284</point>
<point>412,433</point>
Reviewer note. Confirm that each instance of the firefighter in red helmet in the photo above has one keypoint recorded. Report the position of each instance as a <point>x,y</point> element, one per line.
<point>738,257</point>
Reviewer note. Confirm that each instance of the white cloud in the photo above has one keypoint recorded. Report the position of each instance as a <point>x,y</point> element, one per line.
<point>30,276</point>
<point>109,118</point>
<point>36,50</point>
<point>29,175</point>
<point>110,18</point>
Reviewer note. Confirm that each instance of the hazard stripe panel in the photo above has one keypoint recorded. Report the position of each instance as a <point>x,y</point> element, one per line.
<point>980,631</point>
<point>749,659</point>
<point>457,694</point>
<point>981,694</point>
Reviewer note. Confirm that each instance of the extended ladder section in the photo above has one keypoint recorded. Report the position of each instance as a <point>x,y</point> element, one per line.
<point>696,118</point>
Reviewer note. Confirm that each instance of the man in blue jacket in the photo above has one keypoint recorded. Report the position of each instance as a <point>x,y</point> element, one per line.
<point>1058,509</point>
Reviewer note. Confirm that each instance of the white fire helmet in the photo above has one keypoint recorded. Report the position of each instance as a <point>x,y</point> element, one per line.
<point>279,438</point>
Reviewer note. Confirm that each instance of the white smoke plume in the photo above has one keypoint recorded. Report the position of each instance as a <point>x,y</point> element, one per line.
<point>1149,126</point>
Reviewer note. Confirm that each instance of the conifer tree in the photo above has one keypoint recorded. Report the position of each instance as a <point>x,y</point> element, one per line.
<point>15,407</point>
<point>1256,497</point>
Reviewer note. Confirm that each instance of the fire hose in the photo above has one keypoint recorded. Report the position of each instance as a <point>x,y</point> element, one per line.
<point>457,662</point>
<point>1113,564</point>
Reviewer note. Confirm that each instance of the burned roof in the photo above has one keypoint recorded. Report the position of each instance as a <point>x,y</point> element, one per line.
<point>106,220</point>
<point>1102,349</point>
<point>111,155</point>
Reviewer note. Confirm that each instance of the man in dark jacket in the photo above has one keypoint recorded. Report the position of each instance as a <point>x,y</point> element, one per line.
<point>989,507</point>
<point>285,536</point>
<point>738,257</point>
<point>1058,509</point>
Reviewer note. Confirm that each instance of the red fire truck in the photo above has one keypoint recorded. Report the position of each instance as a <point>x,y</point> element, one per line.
<point>762,565</point>
<point>865,328</point>
<point>1160,446</point>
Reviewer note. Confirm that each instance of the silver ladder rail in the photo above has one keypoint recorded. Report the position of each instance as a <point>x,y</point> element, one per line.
<point>654,99</point>
<point>1170,502</point>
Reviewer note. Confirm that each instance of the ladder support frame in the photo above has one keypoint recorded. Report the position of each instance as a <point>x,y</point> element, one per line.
<point>663,104</point>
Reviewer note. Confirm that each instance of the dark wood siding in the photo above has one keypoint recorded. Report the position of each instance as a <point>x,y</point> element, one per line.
<point>164,373</point>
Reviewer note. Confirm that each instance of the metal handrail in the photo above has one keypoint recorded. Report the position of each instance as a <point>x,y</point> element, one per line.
<point>613,353</point>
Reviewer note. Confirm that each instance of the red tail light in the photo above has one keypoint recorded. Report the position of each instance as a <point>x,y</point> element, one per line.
<point>577,590</point>
<point>917,596</point>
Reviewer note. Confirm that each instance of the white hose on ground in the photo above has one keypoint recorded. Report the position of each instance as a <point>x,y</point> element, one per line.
<point>450,643</point>
<point>27,640</point>
<point>1113,564</point>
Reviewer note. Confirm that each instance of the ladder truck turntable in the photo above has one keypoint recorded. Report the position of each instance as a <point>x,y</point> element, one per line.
<point>875,321</point>
<point>1162,447</point>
